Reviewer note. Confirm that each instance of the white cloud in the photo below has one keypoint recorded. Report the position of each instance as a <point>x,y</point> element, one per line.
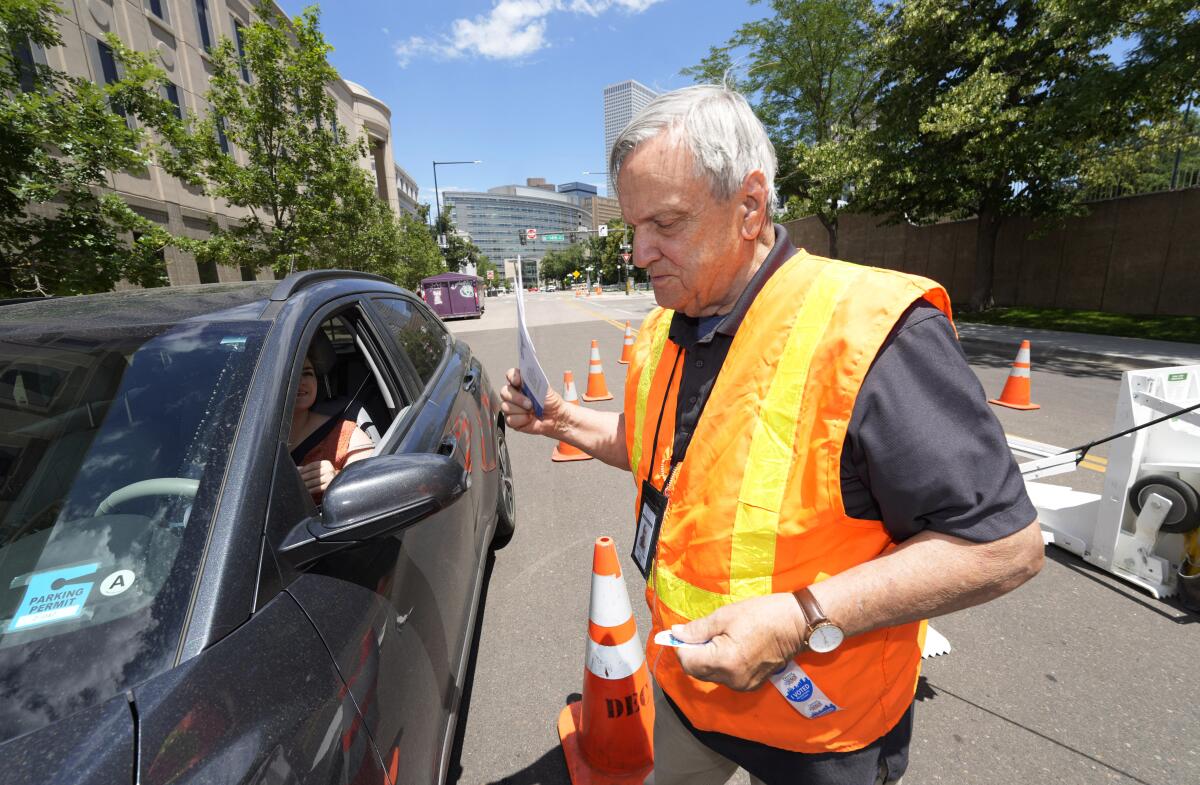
<point>512,29</point>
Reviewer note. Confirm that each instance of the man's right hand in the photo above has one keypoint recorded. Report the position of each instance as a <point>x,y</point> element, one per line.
<point>518,409</point>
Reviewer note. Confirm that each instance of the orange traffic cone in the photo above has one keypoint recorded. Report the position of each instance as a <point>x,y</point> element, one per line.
<point>564,451</point>
<point>608,737</point>
<point>1016,389</point>
<point>627,348</point>
<point>597,389</point>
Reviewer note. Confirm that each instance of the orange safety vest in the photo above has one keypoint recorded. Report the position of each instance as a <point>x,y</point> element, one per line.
<point>756,505</point>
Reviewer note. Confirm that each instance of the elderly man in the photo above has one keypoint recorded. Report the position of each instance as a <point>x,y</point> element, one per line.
<point>817,468</point>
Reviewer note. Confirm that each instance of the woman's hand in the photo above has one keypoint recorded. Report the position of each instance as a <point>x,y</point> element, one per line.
<point>317,475</point>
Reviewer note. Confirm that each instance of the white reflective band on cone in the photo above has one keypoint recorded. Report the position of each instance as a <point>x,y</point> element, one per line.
<point>1019,372</point>
<point>610,602</point>
<point>614,662</point>
<point>1023,355</point>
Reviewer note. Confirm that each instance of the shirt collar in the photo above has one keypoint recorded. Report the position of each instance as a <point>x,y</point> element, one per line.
<point>684,329</point>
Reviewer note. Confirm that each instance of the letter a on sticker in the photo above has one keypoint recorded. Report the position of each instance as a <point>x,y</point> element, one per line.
<point>116,583</point>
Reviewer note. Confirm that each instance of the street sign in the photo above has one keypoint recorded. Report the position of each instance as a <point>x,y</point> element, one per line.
<point>491,275</point>
<point>531,234</point>
<point>554,238</point>
<point>625,258</point>
<point>603,230</point>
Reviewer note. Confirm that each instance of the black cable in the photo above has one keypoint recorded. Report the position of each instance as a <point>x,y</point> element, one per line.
<point>1083,449</point>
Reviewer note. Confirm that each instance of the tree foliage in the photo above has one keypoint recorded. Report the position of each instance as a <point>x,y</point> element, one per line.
<point>993,109</point>
<point>459,251</point>
<point>60,138</point>
<point>807,70</point>
<point>297,172</point>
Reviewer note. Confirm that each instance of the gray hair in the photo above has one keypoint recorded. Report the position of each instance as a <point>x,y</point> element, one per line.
<point>719,129</point>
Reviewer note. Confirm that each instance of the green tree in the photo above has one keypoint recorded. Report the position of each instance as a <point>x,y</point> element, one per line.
<point>807,71</point>
<point>1155,157</point>
<point>992,109</point>
<point>417,256</point>
<point>60,137</point>
<point>310,203</point>
<point>558,264</point>
<point>484,265</point>
<point>458,251</point>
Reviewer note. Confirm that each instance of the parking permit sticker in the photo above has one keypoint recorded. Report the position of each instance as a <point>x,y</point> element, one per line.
<point>54,596</point>
<point>801,693</point>
<point>117,582</point>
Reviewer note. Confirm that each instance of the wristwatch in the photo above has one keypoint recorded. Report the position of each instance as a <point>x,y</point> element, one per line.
<point>822,636</point>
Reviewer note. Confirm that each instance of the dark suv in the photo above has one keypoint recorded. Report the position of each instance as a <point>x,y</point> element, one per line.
<point>174,607</point>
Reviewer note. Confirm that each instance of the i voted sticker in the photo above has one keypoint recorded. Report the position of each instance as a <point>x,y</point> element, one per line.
<point>54,596</point>
<point>665,638</point>
<point>801,693</point>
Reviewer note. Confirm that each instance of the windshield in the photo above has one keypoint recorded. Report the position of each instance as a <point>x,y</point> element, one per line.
<point>113,447</point>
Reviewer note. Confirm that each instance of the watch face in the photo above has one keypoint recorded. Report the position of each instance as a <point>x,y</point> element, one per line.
<point>825,638</point>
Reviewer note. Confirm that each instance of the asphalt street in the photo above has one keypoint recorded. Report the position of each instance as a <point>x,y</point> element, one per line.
<point>1074,678</point>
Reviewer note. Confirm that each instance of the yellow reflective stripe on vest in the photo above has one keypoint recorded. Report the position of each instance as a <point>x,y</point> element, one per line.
<point>657,344</point>
<point>769,462</point>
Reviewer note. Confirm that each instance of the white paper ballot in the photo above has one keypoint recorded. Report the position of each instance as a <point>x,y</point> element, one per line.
<point>533,379</point>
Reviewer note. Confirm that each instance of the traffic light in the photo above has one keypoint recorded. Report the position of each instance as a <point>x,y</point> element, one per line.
<point>521,237</point>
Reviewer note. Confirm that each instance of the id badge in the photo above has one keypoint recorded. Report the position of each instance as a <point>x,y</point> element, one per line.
<point>645,541</point>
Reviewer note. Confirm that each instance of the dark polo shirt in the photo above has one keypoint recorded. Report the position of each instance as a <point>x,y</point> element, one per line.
<point>922,451</point>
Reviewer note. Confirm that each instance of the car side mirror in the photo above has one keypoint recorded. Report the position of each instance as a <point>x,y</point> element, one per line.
<point>376,498</point>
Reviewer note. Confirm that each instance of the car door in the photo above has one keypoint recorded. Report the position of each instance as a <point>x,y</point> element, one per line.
<point>450,381</point>
<point>393,612</point>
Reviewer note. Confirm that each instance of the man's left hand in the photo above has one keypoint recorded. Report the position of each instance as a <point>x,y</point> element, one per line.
<point>747,641</point>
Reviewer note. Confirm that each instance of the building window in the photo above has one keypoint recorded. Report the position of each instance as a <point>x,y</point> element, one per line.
<point>378,152</point>
<point>109,72</point>
<point>173,96</point>
<point>241,50</point>
<point>158,8</point>
<point>208,272</point>
<point>222,139</point>
<point>28,57</point>
<point>202,19</point>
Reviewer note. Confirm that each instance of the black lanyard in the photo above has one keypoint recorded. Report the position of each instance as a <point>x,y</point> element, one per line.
<point>658,427</point>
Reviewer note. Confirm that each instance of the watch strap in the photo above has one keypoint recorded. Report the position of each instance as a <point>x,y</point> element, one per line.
<point>811,609</point>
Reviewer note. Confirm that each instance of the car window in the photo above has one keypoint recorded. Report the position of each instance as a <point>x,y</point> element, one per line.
<point>113,447</point>
<point>420,336</point>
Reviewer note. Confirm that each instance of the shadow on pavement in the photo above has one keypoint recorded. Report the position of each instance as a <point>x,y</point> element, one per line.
<point>1063,745</point>
<point>549,769</point>
<point>1065,364</point>
<point>1096,575</point>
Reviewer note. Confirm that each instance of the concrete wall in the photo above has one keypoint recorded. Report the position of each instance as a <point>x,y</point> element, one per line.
<point>1137,254</point>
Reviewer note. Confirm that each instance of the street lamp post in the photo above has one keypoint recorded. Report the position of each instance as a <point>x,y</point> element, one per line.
<point>436,196</point>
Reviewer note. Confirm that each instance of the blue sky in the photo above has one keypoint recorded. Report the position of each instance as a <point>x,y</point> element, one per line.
<point>516,84</point>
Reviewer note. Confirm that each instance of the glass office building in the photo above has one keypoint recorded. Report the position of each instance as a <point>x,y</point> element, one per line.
<point>497,219</point>
<point>622,101</point>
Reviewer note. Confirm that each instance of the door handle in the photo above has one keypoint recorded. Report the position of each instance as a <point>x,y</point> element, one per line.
<point>470,380</point>
<point>449,445</point>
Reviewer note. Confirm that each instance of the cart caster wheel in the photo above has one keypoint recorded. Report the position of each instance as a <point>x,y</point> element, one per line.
<point>1185,501</point>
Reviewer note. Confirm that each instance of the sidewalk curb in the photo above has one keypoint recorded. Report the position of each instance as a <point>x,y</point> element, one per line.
<point>1142,361</point>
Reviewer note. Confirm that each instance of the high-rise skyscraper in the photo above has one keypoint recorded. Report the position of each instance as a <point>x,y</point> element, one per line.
<point>622,101</point>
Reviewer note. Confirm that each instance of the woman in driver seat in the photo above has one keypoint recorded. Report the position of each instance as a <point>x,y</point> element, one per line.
<point>320,445</point>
